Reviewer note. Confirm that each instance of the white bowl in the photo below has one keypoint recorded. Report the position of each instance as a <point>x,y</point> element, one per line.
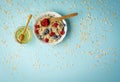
<point>56,15</point>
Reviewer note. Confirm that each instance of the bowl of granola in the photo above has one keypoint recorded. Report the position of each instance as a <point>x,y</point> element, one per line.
<point>50,32</point>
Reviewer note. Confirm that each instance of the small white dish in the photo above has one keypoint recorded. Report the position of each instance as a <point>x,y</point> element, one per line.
<point>55,15</point>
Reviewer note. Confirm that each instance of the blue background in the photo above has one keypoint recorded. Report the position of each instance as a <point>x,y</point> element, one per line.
<point>89,53</point>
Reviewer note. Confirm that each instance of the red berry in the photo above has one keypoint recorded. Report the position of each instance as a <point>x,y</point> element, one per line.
<point>45,22</point>
<point>52,34</point>
<point>62,32</point>
<point>46,40</point>
<point>55,24</point>
<point>37,31</point>
<point>36,26</point>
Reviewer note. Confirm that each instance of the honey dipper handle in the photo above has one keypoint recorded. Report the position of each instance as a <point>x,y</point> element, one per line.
<point>63,17</point>
<point>30,16</point>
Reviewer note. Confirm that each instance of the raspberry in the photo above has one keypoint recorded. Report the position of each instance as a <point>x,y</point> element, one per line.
<point>52,34</point>
<point>45,22</point>
<point>46,40</point>
<point>36,26</point>
<point>62,32</point>
<point>37,31</point>
<point>55,24</point>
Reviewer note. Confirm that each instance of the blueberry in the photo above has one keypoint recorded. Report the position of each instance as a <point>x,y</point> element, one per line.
<point>58,36</point>
<point>39,36</point>
<point>64,24</point>
<point>46,31</point>
<point>55,37</point>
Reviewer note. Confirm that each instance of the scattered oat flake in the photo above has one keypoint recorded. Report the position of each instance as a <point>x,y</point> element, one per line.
<point>0,9</point>
<point>77,46</point>
<point>14,68</point>
<point>9,1</point>
<point>99,56</point>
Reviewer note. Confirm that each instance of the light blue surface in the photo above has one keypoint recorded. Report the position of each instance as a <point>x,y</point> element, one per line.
<point>89,53</point>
